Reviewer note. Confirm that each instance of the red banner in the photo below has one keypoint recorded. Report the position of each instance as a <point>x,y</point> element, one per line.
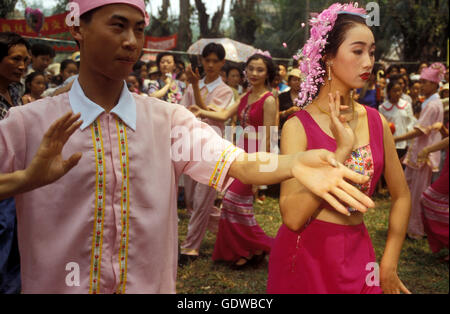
<point>161,43</point>
<point>55,28</point>
<point>53,25</point>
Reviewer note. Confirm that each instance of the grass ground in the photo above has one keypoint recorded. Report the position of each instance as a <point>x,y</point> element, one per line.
<point>419,269</point>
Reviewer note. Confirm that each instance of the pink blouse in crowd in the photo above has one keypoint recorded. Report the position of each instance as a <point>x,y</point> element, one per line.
<point>432,112</point>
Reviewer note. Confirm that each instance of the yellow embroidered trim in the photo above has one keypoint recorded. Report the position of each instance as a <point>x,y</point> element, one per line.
<point>125,206</point>
<point>97,236</point>
<point>220,166</point>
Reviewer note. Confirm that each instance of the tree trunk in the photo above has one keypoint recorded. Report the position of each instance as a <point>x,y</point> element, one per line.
<point>203,19</point>
<point>184,32</point>
<point>246,20</point>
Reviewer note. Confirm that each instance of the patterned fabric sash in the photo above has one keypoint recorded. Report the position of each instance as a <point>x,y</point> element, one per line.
<point>435,205</point>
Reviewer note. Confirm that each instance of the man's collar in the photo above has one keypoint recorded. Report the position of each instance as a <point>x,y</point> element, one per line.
<point>125,108</point>
<point>211,86</point>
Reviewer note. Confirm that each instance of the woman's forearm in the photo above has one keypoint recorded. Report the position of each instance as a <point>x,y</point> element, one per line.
<point>220,116</point>
<point>438,146</point>
<point>198,97</point>
<point>294,216</point>
<point>408,136</point>
<point>398,225</point>
<point>161,92</point>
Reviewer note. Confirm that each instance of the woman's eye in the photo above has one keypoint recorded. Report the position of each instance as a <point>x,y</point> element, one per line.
<point>357,52</point>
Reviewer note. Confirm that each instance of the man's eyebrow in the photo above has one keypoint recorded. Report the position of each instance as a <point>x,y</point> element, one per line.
<point>125,20</point>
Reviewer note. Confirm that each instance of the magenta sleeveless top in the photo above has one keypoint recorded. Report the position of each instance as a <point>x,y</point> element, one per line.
<point>252,114</point>
<point>368,160</point>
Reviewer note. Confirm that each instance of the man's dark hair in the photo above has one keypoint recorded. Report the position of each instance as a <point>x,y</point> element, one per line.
<point>86,18</point>
<point>213,48</point>
<point>234,67</point>
<point>8,40</point>
<point>42,50</point>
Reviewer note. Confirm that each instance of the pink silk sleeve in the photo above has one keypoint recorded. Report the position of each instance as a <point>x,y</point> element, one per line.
<point>12,142</point>
<point>198,151</point>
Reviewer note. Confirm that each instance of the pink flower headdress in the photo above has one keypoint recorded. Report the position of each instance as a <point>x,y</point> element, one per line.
<point>311,54</point>
<point>263,53</point>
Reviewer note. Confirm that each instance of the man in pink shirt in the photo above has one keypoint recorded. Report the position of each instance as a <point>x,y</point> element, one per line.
<point>418,173</point>
<point>110,224</point>
<point>213,94</point>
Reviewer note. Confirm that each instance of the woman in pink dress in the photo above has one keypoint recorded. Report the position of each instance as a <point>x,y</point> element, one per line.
<point>435,200</point>
<point>240,239</point>
<point>319,250</point>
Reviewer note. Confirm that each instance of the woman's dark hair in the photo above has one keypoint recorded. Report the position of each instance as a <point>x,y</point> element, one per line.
<point>336,37</point>
<point>65,63</point>
<point>390,86</point>
<point>271,69</point>
<point>138,79</point>
<point>138,66</point>
<point>8,40</point>
<point>30,77</point>
<point>164,54</point>
<point>213,48</point>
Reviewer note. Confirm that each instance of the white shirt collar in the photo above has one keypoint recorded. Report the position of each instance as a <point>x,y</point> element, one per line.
<point>211,86</point>
<point>125,108</point>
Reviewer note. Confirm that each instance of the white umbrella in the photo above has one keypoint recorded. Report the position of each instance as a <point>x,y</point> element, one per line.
<point>235,51</point>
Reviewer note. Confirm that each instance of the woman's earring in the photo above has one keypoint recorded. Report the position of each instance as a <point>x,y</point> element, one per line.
<point>329,70</point>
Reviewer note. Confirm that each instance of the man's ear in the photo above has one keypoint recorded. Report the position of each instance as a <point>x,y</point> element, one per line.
<point>76,33</point>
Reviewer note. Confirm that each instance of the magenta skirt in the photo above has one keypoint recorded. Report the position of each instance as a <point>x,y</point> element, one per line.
<point>435,218</point>
<point>324,258</point>
<point>239,234</point>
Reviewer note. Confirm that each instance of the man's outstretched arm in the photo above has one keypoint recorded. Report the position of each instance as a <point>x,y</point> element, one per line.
<point>317,170</point>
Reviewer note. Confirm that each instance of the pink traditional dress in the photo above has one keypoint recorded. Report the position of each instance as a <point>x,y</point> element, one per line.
<point>324,257</point>
<point>239,234</point>
<point>435,211</point>
<point>418,175</point>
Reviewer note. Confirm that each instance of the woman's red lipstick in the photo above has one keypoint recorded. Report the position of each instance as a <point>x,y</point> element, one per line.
<point>365,76</point>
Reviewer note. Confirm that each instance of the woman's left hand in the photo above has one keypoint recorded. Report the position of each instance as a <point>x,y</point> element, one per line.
<point>342,132</point>
<point>390,282</point>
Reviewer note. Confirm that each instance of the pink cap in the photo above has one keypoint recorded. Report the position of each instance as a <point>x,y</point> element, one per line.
<point>87,5</point>
<point>434,73</point>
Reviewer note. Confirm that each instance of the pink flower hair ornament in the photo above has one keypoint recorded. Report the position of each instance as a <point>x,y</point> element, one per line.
<point>311,53</point>
<point>263,53</point>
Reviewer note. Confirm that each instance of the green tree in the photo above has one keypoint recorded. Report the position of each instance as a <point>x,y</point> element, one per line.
<point>246,20</point>
<point>282,20</point>
<point>7,7</point>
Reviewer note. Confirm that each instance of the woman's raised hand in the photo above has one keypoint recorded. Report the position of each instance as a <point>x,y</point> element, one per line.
<point>342,132</point>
